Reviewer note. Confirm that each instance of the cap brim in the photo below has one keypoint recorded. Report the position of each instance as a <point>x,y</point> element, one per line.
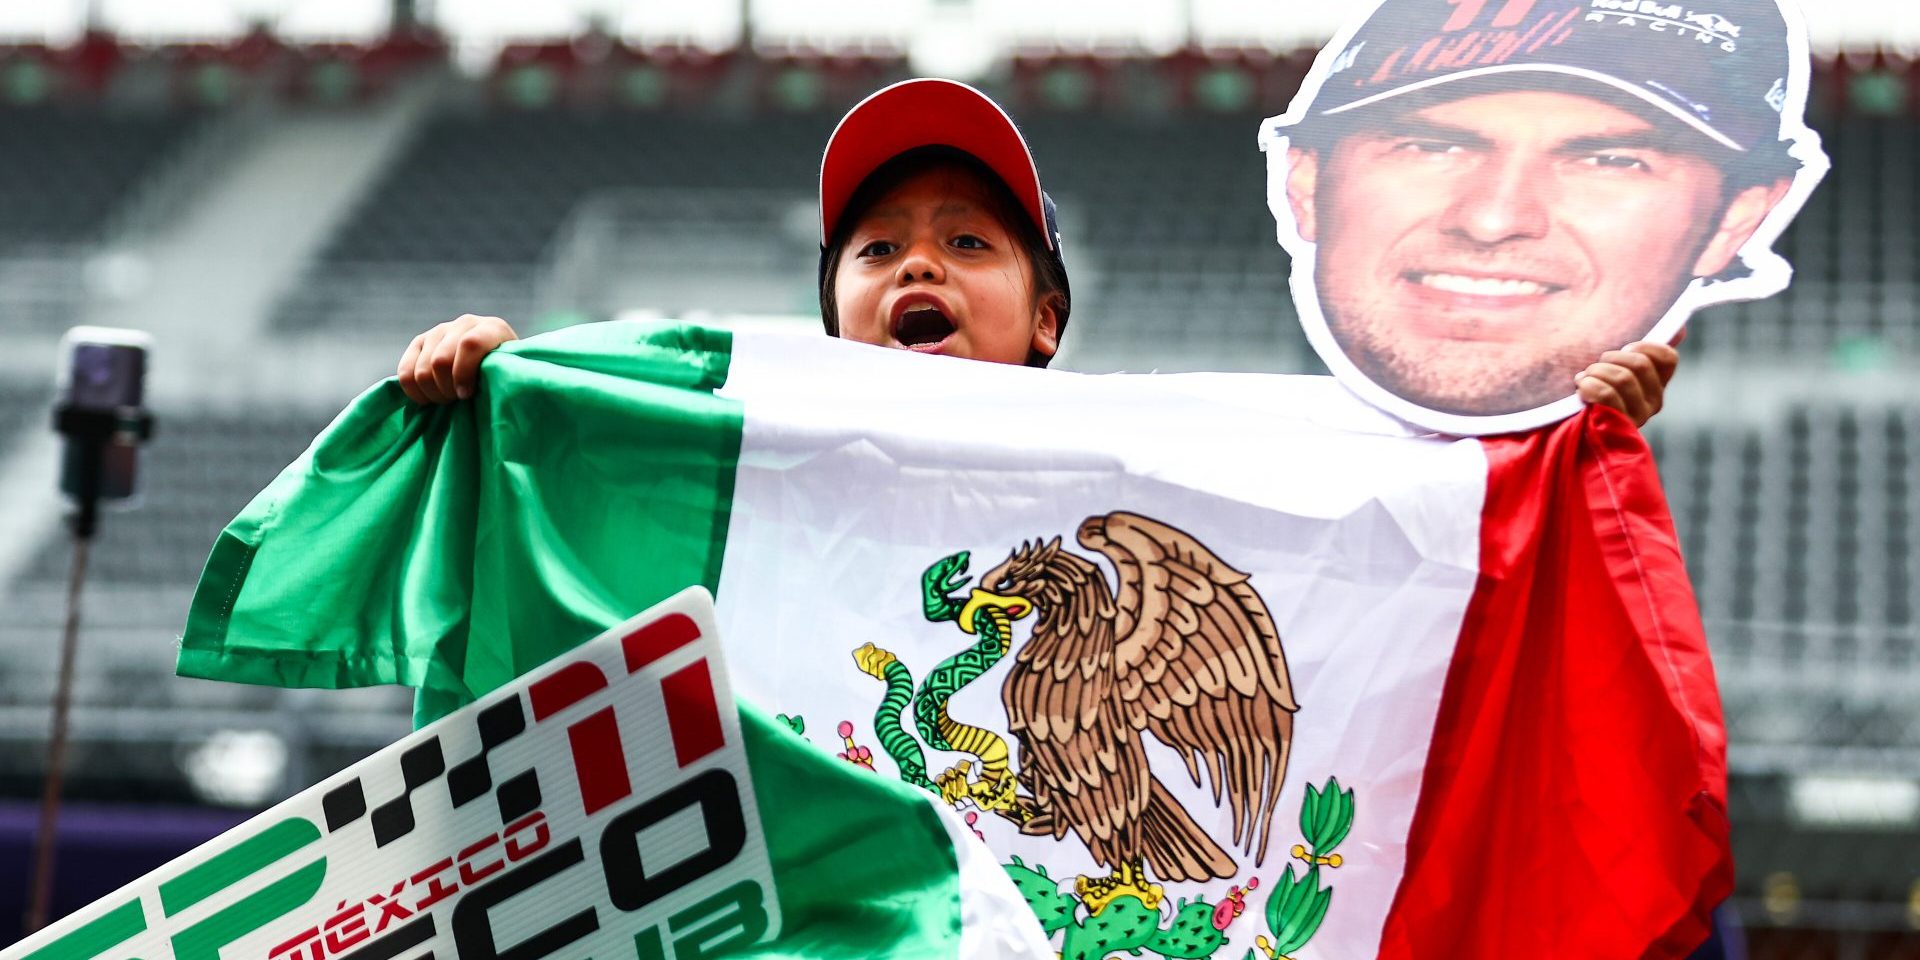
<point>1633,90</point>
<point>925,113</point>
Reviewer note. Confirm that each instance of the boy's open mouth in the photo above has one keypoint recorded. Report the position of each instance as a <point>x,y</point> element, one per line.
<point>922,325</point>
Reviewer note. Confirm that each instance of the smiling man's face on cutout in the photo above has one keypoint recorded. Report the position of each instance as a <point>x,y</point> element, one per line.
<point>1474,254</point>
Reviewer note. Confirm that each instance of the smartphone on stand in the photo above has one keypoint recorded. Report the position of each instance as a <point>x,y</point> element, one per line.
<point>104,370</point>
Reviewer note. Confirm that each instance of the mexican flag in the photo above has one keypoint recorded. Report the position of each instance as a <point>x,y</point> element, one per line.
<point>1213,665</point>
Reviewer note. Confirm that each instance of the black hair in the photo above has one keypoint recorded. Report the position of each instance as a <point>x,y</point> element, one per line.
<point>1049,274</point>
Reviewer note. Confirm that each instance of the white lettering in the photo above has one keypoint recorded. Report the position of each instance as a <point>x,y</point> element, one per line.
<point>1660,16</point>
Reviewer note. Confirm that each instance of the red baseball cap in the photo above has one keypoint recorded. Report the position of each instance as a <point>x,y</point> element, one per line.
<point>924,113</point>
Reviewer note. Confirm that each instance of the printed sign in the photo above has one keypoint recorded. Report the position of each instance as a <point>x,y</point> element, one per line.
<point>1481,197</point>
<point>599,807</point>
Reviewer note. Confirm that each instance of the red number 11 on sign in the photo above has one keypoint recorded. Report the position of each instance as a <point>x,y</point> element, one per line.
<point>1466,11</point>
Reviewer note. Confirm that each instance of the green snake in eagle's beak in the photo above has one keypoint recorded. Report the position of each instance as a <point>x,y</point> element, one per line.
<point>950,574</point>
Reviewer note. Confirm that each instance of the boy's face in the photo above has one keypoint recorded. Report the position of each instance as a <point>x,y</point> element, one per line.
<point>930,267</point>
<point>1474,255</point>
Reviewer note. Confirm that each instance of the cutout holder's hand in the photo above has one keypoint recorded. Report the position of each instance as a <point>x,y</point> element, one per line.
<point>1632,380</point>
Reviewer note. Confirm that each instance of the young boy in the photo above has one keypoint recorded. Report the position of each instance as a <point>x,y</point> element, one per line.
<point>936,237</point>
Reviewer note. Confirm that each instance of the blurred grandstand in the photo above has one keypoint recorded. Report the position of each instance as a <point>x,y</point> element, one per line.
<point>285,215</point>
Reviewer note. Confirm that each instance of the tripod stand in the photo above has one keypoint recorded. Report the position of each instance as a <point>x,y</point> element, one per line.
<point>89,431</point>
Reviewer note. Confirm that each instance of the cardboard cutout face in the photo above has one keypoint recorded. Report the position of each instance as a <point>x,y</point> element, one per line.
<point>1483,196</point>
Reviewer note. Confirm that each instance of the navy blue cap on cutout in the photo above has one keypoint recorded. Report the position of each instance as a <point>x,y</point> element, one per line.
<point>1719,69</point>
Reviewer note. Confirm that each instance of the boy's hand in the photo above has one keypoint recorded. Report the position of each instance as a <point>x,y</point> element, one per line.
<point>1632,381</point>
<point>442,365</point>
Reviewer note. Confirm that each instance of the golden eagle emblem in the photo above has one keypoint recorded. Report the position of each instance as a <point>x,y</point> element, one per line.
<point>1183,650</point>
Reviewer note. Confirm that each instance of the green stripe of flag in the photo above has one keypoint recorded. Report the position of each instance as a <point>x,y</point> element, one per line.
<point>454,548</point>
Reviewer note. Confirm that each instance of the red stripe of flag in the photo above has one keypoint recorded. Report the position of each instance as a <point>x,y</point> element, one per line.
<point>1574,801</point>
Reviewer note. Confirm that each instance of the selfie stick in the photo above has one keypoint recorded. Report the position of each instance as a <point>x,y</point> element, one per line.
<point>89,431</point>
